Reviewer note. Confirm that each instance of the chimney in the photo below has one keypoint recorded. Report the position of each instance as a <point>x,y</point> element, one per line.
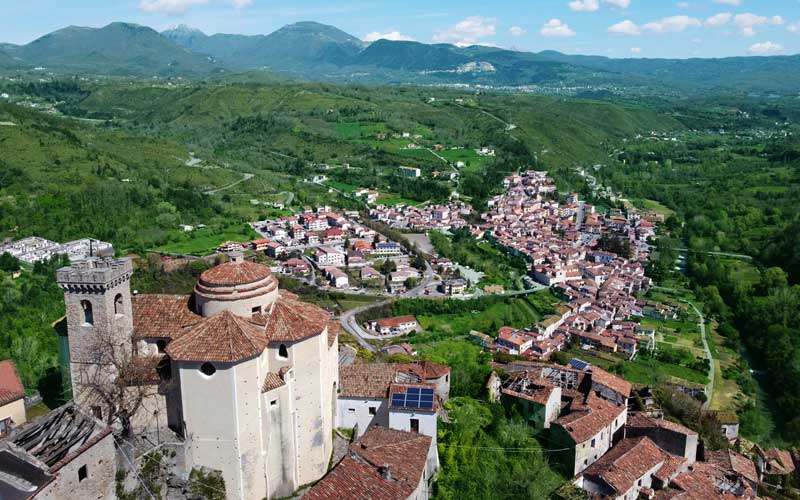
<point>385,472</point>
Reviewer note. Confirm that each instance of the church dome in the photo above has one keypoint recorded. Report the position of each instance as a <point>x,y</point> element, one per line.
<point>242,287</point>
<point>235,274</point>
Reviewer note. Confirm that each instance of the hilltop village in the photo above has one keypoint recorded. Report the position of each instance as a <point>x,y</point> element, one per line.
<point>296,407</point>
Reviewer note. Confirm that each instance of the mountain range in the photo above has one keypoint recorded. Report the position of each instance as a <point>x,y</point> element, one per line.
<point>320,52</point>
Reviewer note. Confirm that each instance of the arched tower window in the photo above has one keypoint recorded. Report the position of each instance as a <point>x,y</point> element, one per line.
<point>208,369</point>
<point>283,352</point>
<point>118,304</point>
<point>88,317</point>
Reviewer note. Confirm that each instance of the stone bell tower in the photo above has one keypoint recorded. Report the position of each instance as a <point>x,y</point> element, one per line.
<point>99,320</point>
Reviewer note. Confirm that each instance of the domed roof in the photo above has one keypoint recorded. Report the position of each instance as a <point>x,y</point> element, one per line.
<point>234,274</point>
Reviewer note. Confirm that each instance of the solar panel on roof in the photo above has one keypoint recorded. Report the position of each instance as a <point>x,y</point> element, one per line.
<point>578,364</point>
<point>413,390</point>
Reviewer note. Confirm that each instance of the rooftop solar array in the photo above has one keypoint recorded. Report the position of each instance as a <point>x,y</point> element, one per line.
<point>414,397</point>
<point>578,364</point>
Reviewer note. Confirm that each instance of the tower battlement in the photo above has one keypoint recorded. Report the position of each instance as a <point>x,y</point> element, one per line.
<point>94,274</point>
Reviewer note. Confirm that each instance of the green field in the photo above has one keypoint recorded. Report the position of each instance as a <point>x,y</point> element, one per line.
<point>349,130</point>
<point>205,241</point>
<point>474,162</point>
<point>651,372</point>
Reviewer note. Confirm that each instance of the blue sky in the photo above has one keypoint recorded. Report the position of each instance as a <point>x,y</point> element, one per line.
<point>615,28</point>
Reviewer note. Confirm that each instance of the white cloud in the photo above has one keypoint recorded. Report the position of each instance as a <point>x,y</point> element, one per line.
<point>794,27</point>
<point>622,4</point>
<point>636,50</point>
<point>729,2</point>
<point>720,19</point>
<point>748,22</point>
<point>556,27</point>
<point>672,23</point>
<point>394,36</point>
<point>585,5</point>
<point>169,6</point>
<point>467,32</point>
<point>626,27</point>
<point>517,31</point>
<point>766,48</point>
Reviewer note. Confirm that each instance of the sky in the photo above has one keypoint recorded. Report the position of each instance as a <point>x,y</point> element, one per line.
<point>613,28</point>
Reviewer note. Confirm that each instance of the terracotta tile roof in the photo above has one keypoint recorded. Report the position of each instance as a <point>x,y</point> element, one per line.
<point>162,316</point>
<point>11,388</point>
<point>642,421</point>
<point>395,321</point>
<point>626,462</point>
<point>366,381</point>
<point>705,481</point>
<point>426,370</point>
<point>358,476</point>
<point>588,417</point>
<point>334,327</point>
<point>613,382</point>
<point>272,381</point>
<point>235,273</point>
<point>778,461</point>
<point>224,337</point>
<point>672,467</point>
<point>732,462</point>
<point>291,320</point>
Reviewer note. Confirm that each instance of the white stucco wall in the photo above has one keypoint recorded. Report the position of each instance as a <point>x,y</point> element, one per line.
<point>222,415</point>
<point>101,467</point>
<point>15,410</point>
<point>401,421</point>
<point>352,412</point>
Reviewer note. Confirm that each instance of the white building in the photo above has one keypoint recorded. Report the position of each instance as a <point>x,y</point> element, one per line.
<point>327,256</point>
<point>248,374</point>
<point>367,396</point>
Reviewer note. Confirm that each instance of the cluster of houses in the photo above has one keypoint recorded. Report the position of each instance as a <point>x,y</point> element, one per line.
<point>313,227</point>
<point>393,410</point>
<point>614,453</point>
<point>35,249</point>
<point>423,218</point>
<point>561,244</point>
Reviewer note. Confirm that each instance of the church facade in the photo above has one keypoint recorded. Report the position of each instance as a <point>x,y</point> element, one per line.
<point>244,373</point>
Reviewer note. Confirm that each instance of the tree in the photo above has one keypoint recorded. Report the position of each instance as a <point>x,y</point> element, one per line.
<point>9,263</point>
<point>113,380</point>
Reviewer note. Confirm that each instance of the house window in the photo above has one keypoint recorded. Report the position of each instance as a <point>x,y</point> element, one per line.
<point>88,317</point>
<point>447,378</point>
<point>640,482</point>
<point>97,412</point>
<point>256,310</point>
<point>274,402</point>
<point>373,410</point>
<point>351,410</point>
<point>161,345</point>
<point>83,473</point>
<point>208,369</point>
<point>593,440</point>
<point>283,351</point>
<point>415,425</point>
<point>118,304</point>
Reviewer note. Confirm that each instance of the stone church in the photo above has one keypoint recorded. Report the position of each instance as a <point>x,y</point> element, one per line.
<point>244,373</point>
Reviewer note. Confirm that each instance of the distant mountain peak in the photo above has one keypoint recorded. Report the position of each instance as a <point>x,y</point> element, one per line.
<point>185,29</point>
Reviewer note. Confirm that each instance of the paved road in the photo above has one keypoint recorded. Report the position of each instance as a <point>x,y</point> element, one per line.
<point>710,386</point>
<point>720,254</point>
<point>349,323</point>
<point>246,177</point>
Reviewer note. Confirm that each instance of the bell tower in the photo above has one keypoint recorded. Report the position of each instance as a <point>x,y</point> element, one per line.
<point>99,320</point>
